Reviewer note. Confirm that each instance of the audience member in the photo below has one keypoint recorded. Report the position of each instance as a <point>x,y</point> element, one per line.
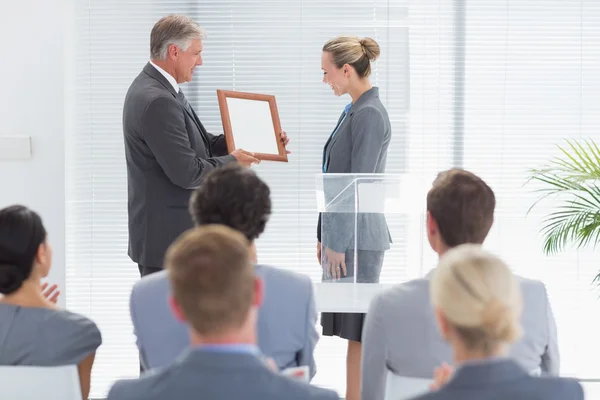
<point>236,197</point>
<point>477,304</point>
<point>400,333</point>
<point>217,293</point>
<point>33,330</point>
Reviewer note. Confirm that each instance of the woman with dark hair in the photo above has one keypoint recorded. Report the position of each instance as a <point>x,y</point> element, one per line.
<point>33,330</point>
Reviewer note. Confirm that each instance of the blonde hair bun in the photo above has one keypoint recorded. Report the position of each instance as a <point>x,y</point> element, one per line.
<point>479,296</point>
<point>370,48</point>
<point>498,322</point>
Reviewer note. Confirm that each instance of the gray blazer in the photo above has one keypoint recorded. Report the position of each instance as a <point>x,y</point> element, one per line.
<point>503,379</point>
<point>286,321</point>
<point>400,334</point>
<point>202,374</point>
<point>167,151</point>
<point>359,146</point>
<point>43,337</point>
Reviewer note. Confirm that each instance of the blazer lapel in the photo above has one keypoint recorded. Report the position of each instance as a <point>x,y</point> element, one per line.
<point>150,70</point>
<point>200,127</point>
<point>331,140</point>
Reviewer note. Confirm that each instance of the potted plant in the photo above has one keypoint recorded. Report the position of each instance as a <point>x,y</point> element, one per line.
<point>573,178</point>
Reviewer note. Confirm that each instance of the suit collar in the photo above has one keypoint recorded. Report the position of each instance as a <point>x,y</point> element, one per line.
<point>200,358</point>
<point>154,73</point>
<point>486,373</point>
<point>167,76</point>
<point>372,93</point>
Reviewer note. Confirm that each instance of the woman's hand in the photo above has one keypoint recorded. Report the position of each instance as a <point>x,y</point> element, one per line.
<point>52,293</point>
<point>441,376</point>
<point>335,264</point>
<point>285,140</point>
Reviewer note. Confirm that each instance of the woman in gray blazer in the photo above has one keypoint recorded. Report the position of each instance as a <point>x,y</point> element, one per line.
<point>33,330</point>
<point>478,303</point>
<point>357,144</point>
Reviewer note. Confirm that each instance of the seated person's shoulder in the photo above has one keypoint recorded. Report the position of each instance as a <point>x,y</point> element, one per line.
<point>286,279</point>
<point>561,388</point>
<point>151,283</point>
<point>152,384</point>
<point>404,293</point>
<point>67,337</point>
<point>533,285</point>
<point>296,390</point>
<point>534,293</point>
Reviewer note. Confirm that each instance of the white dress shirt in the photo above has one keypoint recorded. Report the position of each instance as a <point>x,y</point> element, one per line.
<point>167,75</point>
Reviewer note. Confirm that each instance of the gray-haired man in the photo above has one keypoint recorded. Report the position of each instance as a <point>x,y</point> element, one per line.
<point>168,150</point>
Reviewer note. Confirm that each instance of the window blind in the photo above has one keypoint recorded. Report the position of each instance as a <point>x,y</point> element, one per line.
<point>269,47</point>
<point>532,81</point>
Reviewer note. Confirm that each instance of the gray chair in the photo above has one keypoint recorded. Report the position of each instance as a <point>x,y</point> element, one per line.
<point>48,383</point>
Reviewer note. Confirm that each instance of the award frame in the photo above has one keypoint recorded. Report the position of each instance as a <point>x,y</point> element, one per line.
<point>262,137</point>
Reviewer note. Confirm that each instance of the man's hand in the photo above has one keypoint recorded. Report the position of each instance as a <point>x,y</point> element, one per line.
<point>319,248</point>
<point>441,376</point>
<point>335,264</point>
<point>52,293</point>
<point>285,140</point>
<point>245,157</point>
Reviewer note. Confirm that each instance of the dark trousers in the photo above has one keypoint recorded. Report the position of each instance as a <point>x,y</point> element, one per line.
<point>147,270</point>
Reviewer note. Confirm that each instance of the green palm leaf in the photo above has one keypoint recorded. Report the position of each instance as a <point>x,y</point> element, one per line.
<point>572,178</point>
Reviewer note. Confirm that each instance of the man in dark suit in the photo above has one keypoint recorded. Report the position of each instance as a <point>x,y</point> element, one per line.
<point>167,149</point>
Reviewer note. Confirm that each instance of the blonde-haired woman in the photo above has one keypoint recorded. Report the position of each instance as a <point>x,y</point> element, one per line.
<point>477,303</point>
<point>358,144</point>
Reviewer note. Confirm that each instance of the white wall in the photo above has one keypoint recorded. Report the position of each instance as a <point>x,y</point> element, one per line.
<point>33,103</point>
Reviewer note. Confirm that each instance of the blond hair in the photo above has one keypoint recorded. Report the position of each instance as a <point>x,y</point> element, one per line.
<point>212,278</point>
<point>354,51</point>
<point>479,296</point>
<point>173,29</point>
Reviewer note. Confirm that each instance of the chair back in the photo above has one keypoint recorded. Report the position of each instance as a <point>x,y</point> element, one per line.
<point>47,383</point>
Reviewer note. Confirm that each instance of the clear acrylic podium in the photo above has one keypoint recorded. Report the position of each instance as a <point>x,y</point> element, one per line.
<point>371,226</point>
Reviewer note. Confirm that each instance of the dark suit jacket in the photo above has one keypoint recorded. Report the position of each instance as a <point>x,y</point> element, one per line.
<point>214,375</point>
<point>358,147</point>
<point>504,380</point>
<point>168,152</point>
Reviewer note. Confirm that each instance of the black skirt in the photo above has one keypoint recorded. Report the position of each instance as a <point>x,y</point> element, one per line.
<point>349,325</point>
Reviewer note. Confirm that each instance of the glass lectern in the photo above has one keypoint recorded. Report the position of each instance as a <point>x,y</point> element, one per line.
<point>371,230</point>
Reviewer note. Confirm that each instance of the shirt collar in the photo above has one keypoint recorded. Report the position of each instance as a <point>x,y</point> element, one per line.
<point>237,348</point>
<point>347,108</point>
<point>167,76</point>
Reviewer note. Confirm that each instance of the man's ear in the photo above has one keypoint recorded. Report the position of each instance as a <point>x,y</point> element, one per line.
<point>176,309</point>
<point>258,292</point>
<point>432,227</point>
<point>442,323</point>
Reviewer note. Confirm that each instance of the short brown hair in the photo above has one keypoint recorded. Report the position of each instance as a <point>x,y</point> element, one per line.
<point>463,205</point>
<point>234,196</point>
<point>212,278</point>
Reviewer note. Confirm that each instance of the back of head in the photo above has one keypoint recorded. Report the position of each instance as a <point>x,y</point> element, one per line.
<point>354,51</point>
<point>212,278</point>
<point>234,196</point>
<point>479,296</point>
<point>21,234</point>
<point>173,29</point>
<point>462,205</point>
